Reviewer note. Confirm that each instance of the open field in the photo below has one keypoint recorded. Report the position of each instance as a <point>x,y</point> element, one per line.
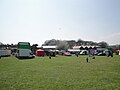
<point>60,73</point>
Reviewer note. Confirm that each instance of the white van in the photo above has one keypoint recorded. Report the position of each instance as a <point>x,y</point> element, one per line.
<point>5,53</point>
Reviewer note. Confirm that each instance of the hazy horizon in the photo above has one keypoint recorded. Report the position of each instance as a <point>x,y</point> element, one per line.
<point>35,21</point>
<point>55,39</point>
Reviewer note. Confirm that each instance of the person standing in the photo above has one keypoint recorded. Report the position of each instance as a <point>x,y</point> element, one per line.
<point>87,59</point>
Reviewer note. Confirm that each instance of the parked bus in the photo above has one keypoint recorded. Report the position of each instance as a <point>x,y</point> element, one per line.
<point>24,50</point>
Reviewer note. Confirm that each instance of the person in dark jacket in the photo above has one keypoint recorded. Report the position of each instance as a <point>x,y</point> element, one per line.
<point>87,59</point>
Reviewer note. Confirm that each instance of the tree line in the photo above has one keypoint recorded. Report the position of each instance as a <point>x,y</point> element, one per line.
<point>65,44</point>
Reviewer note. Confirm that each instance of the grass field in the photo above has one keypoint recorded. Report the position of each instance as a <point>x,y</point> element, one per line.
<point>60,73</point>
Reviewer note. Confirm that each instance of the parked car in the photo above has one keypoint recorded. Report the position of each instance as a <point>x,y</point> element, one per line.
<point>61,52</point>
<point>84,52</point>
<point>101,54</point>
<point>67,54</point>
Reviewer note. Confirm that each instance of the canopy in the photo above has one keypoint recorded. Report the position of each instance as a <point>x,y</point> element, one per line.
<point>39,52</point>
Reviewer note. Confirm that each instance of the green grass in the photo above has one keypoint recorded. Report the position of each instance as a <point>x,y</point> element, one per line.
<point>60,73</point>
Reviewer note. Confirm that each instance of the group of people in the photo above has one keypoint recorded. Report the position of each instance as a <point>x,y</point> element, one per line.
<point>91,54</point>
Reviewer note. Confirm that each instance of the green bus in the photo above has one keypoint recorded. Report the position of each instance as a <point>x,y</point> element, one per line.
<point>24,50</point>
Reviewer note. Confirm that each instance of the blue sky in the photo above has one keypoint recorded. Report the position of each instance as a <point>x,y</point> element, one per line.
<point>38,20</point>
